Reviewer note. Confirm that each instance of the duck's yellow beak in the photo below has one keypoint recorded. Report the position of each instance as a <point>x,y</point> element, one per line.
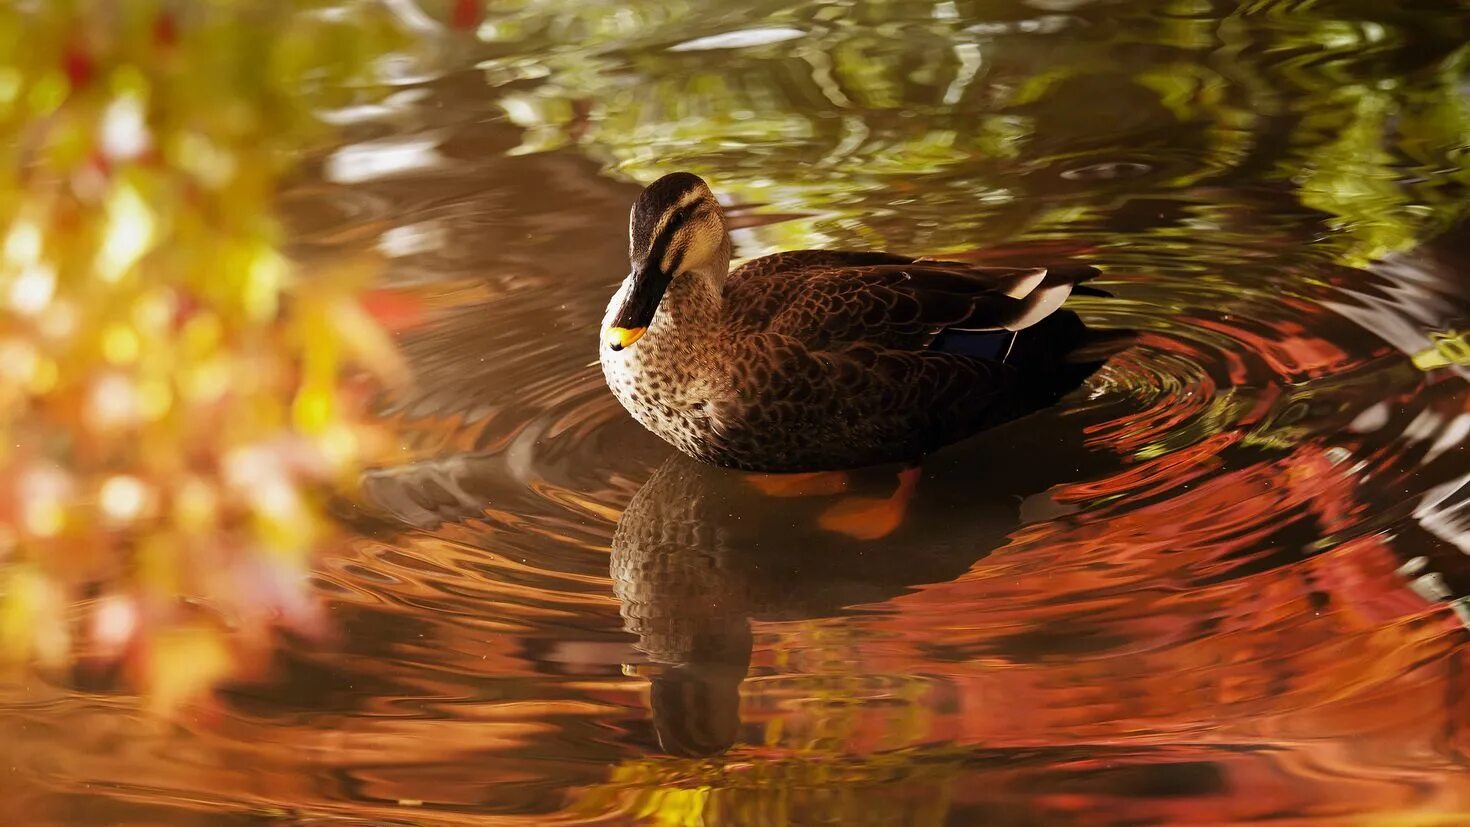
<point>618,338</point>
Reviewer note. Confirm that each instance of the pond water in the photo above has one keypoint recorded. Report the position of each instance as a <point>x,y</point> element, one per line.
<point>1218,585</point>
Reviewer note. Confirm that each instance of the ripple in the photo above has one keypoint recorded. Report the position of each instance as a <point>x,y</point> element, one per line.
<point>1225,580</point>
<point>1107,171</point>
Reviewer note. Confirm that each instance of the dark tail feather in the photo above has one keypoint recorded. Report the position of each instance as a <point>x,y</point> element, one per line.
<point>1056,355</point>
<point>993,345</point>
<point>1056,340</point>
<point>1026,297</point>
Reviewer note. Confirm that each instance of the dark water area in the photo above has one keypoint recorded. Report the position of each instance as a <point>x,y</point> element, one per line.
<point>1221,583</point>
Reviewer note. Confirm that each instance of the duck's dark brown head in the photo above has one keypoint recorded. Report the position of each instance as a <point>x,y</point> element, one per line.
<point>676,227</point>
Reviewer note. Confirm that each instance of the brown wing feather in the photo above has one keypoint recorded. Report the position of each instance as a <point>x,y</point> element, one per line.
<point>794,260</point>
<point>828,298</point>
<point>830,351</point>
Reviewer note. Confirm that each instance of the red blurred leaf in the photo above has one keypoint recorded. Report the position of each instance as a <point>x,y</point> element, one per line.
<point>466,14</point>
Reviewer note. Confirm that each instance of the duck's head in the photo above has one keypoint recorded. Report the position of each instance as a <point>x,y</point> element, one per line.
<point>676,230</point>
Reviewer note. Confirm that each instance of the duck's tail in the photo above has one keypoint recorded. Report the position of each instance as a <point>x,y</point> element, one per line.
<point>1057,354</point>
<point>1029,296</point>
<point>1023,324</point>
<point>1060,337</point>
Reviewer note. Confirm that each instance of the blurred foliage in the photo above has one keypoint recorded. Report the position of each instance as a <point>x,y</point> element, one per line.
<point>949,124</point>
<point>174,394</point>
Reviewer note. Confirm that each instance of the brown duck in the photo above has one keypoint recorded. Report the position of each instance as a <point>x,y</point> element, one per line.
<point>822,360</point>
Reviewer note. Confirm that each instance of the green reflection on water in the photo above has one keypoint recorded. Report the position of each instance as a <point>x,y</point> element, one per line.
<point>949,125</point>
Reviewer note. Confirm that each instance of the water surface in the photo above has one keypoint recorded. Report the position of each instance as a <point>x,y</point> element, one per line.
<point>1220,584</point>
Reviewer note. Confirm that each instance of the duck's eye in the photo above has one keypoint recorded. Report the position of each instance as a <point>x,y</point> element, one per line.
<point>695,242</point>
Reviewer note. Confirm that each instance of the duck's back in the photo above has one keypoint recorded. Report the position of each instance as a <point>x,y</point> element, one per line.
<point>845,359</point>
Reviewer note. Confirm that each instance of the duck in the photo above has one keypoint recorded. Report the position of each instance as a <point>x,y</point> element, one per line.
<point>825,360</point>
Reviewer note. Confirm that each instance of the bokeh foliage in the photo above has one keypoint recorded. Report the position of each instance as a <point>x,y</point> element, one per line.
<point>174,389</point>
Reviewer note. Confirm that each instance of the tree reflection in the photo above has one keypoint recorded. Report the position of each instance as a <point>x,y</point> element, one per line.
<point>949,125</point>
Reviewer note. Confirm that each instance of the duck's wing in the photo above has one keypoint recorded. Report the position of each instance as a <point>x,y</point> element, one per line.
<point>828,299</point>
<point>794,261</point>
<point>854,361</point>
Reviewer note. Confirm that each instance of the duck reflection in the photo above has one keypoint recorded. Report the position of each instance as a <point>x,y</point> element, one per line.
<point>700,551</point>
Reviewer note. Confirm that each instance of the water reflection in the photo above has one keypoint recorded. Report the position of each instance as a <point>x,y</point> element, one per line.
<point>1218,586</point>
<point>960,123</point>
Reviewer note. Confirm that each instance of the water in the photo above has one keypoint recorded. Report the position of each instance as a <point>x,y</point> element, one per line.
<point>1218,586</point>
